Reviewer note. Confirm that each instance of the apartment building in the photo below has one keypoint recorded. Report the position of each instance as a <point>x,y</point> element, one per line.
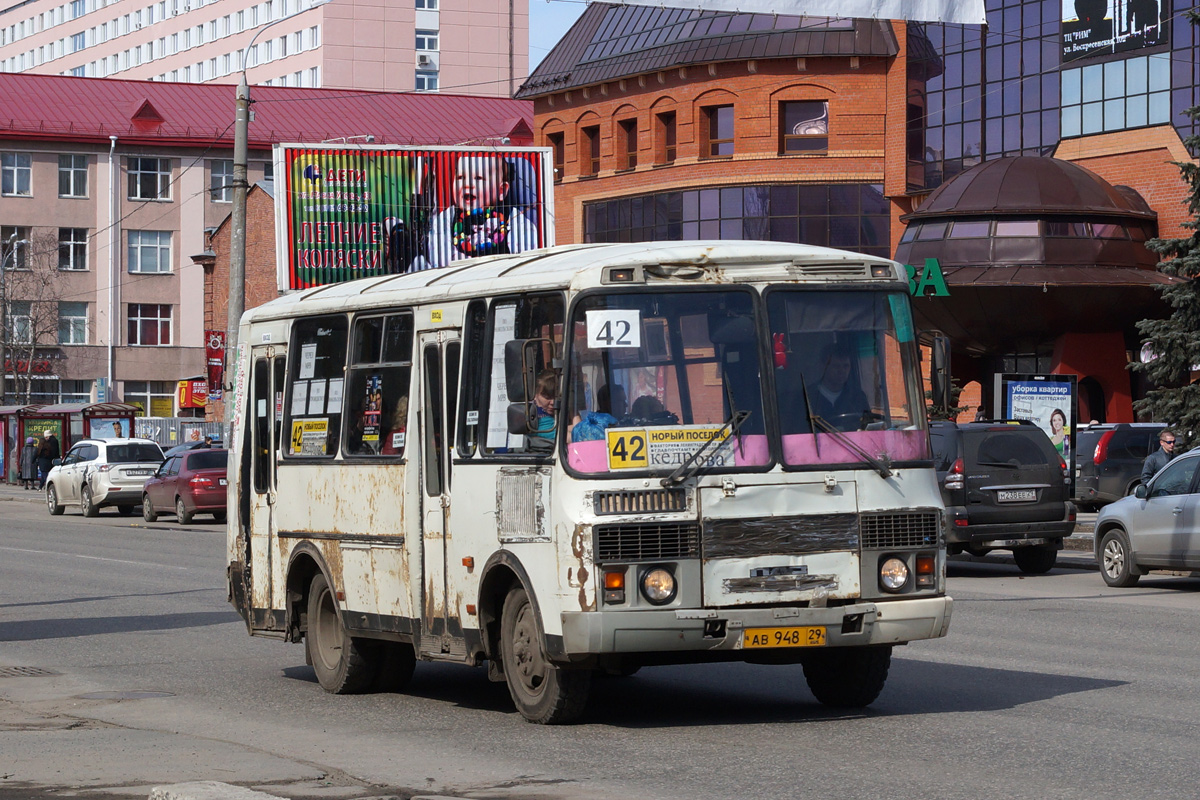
<point>110,189</point>
<point>478,47</point>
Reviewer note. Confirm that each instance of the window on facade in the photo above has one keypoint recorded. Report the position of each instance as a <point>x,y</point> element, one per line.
<point>427,80</point>
<point>72,248</point>
<point>153,398</point>
<point>666,137</point>
<point>72,323</point>
<point>149,251</point>
<point>220,180</point>
<point>629,142</point>
<point>804,126</point>
<point>20,322</point>
<point>14,244</point>
<point>970,229</point>
<point>149,324</point>
<point>1116,95</point>
<point>1017,227</point>
<point>149,179</point>
<point>427,40</point>
<point>315,395</point>
<point>559,148</point>
<point>16,174</point>
<point>589,150</point>
<point>377,386</point>
<point>539,318</point>
<point>719,127</point>
<point>428,4</point>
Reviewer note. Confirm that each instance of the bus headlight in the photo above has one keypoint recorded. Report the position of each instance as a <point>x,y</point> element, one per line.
<point>658,586</point>
<point>893,575</point>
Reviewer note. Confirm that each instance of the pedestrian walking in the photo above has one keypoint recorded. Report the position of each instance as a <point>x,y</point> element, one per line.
<point>28,464</point>
<point>1159,458</point>
<point>47,452</point>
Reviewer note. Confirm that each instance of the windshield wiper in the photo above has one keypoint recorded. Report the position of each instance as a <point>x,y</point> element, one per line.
<point>692,465</point>
<point>881,467</point>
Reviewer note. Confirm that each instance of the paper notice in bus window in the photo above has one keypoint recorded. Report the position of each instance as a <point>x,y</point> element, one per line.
<point>619,328</point>
<point>398,441</point>
<point>299,398</point>
<point>333,399</point>
<point>505,320</point>
<point>316,397</point>
<point>309,437</point>
<point>308,361</point>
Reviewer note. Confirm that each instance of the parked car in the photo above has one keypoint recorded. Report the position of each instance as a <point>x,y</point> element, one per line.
<point>183,448</point>
<point>102,472</point>
<point>188,483</point>
<point>1154,528</point>
<point>1005,488</point>
<point>1108,459</point>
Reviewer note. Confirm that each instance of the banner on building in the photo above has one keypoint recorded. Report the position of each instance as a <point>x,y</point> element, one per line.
<point>966,12</point>
<point>192,394</point>
<point>214,354</point>
<point>352,212</point>
<point>1103,27</point>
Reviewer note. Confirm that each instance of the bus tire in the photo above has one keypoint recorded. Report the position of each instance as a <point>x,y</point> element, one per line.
<point>847,677</point>
<point>542,692</point>
<point>342,665</point>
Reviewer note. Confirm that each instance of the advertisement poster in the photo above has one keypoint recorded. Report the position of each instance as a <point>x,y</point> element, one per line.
<point>109,428</point>
<point>1047,401</point>
<point>351,212</point>
<point>1103,27</point>
<point>214,356</point>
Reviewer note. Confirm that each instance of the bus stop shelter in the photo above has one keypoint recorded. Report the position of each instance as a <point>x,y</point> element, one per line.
<point>74,421</point>
<point>16,424</point>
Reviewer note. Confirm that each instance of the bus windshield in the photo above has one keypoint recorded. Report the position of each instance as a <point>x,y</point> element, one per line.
<point>846,376</point>
<point>655,376</point>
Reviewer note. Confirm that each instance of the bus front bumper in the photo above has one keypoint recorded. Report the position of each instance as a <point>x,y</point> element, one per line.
<point>673,630</point>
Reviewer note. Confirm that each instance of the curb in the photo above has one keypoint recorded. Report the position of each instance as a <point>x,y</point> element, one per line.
<point>215,790</point>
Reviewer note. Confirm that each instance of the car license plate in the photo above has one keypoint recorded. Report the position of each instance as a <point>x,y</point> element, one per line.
<point>1016,495</point>
<point>140,472</point>
<point>221,481</point>
<point>800,636</point>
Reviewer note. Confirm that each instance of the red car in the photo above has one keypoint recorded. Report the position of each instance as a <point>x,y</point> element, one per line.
<point>192,482</point>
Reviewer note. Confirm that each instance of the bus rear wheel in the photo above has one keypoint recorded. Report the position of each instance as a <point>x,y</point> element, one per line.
<point>542,692</point>
<point>343,664</point>
<point>847,677</point>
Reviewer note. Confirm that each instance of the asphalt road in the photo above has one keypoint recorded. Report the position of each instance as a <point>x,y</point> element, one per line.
<point>1047,687</point>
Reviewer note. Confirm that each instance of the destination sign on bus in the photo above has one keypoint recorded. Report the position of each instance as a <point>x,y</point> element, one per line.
<point>647,448</point>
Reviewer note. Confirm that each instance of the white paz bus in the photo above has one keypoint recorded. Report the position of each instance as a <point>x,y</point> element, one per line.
<point>590,458</point>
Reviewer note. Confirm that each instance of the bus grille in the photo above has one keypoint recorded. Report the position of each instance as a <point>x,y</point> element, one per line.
<point>637,501</point>
<point>914,529</point>
<point>647,541</point>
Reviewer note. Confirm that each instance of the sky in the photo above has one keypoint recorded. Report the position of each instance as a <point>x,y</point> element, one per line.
<point>548,21</point>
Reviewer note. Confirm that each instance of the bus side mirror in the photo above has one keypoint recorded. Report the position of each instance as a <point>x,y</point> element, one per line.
<point>518,419</point>
<point>520,369</point>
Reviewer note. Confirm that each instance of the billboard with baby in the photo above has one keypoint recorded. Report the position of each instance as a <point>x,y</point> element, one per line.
<point>345,212</point>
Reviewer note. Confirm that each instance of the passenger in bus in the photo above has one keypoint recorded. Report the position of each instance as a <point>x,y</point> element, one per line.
<point>649,410</point>
<point>484,220</point>
<point>611,400</point>
<point>836,397</point>
<point>544,400</point>
<point>393,440</point>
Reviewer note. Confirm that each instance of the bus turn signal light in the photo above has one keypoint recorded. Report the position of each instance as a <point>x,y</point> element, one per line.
<point>614,587</point>
<point>925,565</point>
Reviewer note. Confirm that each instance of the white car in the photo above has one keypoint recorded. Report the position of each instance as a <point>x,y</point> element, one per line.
<point>1157,527</point>
<point>102,472</point>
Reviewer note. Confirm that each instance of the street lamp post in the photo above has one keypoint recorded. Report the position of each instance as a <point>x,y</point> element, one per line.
<point>241,186</point>
<point>4,257</point>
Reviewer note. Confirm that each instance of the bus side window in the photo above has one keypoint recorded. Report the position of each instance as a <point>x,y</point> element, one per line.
<point>315,392</point>
<point>260,408</point>
<point>537,317</point>
<point>473,378</point>
<point>377,386</point>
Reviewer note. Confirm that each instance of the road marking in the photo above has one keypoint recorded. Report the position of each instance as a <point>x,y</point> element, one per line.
<point>93,558</point>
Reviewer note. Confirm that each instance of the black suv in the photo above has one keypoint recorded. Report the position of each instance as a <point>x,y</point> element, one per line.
<point>1108,459</point>
<point>1005,487</point>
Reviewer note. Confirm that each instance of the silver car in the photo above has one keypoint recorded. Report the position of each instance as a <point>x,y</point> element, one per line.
<point>102,472</point>
<point>1157,527</point>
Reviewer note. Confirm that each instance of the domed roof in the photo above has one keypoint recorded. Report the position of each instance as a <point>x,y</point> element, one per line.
<point>1028,186</point>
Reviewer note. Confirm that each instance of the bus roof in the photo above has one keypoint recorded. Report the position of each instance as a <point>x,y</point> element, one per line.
<point>582,265</point>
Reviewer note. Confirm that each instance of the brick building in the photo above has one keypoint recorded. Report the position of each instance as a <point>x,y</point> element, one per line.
<point>674,124</point>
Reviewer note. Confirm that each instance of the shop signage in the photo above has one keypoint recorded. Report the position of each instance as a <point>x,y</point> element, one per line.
<point>931,278</point>
<point>193,394</point>
<point>1104,27</point>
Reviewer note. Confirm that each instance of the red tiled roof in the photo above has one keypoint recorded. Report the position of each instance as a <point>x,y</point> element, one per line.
<point>188,114</point>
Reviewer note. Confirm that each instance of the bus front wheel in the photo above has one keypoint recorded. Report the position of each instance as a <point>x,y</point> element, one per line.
<point>847,677</point>
<point>342,663</point>
<point>541,691</point>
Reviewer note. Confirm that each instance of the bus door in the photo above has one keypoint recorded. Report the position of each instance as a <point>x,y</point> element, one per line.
<point>258,484</point>
<point>441,633</point>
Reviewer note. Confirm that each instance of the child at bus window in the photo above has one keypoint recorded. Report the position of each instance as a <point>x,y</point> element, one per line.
<point>393,440</point>
<point>544,399</point>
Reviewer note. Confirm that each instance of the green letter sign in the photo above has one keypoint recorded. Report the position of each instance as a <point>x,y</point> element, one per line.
<point>931,278</point>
